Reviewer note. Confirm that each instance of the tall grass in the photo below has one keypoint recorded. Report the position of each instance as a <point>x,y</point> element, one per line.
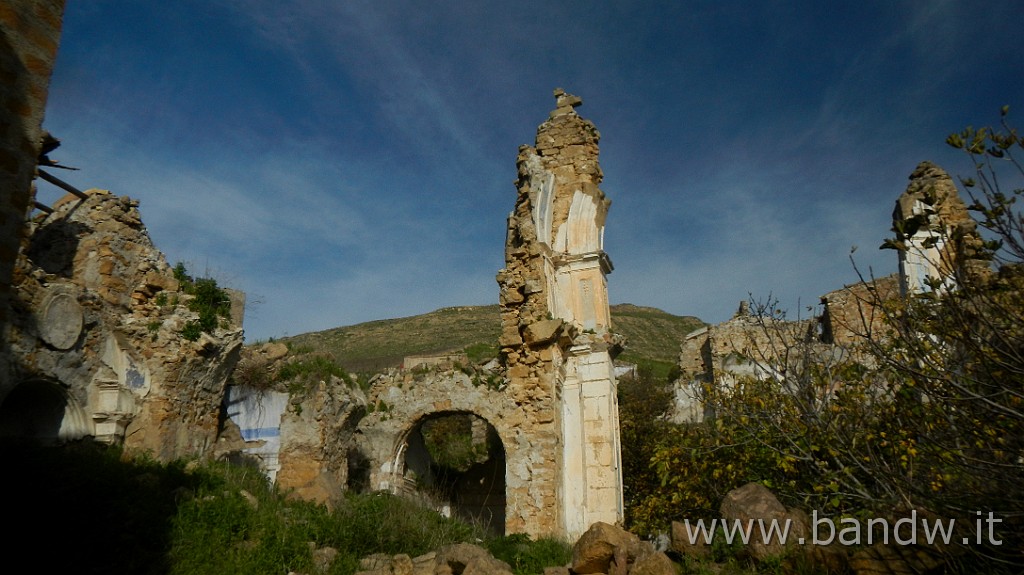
<point>103,512</point>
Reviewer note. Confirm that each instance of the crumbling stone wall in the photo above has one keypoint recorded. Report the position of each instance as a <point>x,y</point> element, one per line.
<point>852,313</point>
<point>84,349</point>
<point>318,436</point>
<point>300,434</point>
<point>97,313</point>
<point>745,346</point>
<point>400,400</point>
<point>762,347</point>
<point>551,405</point>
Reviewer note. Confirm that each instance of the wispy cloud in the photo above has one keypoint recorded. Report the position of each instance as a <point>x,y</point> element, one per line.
<point>347,161</point>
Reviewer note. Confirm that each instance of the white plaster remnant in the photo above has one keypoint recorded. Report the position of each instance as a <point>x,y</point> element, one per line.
<point>258,417</point>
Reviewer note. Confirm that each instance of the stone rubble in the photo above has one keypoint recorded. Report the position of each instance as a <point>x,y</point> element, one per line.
<point>458,559</point>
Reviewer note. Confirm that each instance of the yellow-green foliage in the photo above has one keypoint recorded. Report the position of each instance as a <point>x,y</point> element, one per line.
<point>936,422</point>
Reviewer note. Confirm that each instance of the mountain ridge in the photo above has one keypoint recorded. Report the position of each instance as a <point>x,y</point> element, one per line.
<point>652,335</point>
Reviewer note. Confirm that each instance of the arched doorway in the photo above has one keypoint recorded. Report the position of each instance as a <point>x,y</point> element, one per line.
<point>457,460</point>
<point>41,410</point>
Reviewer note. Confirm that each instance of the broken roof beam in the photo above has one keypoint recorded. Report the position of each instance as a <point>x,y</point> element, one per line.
<point>61,184</point>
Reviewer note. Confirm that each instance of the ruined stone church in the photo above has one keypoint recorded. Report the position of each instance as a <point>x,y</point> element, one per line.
<point>91,349</point>
<point>937,242</point>
<point>90,317</point>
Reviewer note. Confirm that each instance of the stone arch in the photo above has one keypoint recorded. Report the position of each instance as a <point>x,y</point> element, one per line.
<point>42,410</point>
<point>469,484</point>
<point>400,402</point>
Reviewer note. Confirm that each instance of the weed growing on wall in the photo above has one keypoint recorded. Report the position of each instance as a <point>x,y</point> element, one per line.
<point>208,300</point>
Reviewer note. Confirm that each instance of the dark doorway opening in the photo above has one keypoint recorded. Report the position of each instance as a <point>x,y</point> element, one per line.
<point>457,460</point>
<point>34,410</point>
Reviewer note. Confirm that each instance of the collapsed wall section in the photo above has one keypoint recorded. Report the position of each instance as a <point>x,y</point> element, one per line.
<point>938,245</point>
<point>98,313</point>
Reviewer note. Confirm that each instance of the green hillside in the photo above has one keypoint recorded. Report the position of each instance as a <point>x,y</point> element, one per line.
<point>652,336</point>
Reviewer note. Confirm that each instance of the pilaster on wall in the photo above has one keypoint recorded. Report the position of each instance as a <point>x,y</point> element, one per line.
<point>556,329</point>
<point>592,476</point>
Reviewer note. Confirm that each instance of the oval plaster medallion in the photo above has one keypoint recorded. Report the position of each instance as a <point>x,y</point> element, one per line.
<point>61,322</point>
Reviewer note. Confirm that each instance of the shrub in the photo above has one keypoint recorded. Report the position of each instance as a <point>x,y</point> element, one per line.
<point>643,403</point>
<point>384,523</point>
<point>253,372</point>
<point>312,367</point>
<point>208,300</point>
<point>449,440</point>
<point>192,330</point>
<point>933,420</point>
<point>481,352</point>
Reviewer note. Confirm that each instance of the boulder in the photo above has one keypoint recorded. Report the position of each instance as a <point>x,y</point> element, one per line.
<point>653,564</point>
<point>401,564</point>
<point>751,504</point>
<point>275,351</point>
<point>458,559</point>
<point>830,558</point>
<point>469,559</point>
<point>378,563</point>
<point>323,558</point>
<point>881,559</point>
<point>680,542</point>
<point>605,548</point>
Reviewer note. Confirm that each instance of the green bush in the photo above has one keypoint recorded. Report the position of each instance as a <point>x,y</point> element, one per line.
<point>449,440</point>
<point>208,300</point>
<point>192,330</point>
<point>312,367</point>
<point>210,518</point>
<point>643,403</point>
<point>481,352</point>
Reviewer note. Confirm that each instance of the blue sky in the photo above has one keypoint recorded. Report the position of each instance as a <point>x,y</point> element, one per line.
<point>349,161</point>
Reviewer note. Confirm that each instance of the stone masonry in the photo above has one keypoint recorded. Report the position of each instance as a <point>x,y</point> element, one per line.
<point>29,37</point>
<point>90,312</point>
<point>556,339</point>
<point>95,333</point>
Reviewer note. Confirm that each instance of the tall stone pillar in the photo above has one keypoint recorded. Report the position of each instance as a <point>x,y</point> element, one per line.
<point>556,337</point>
